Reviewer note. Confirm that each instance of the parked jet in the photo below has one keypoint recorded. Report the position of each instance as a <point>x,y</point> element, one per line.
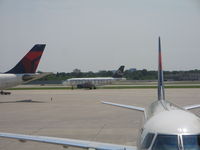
<point>91,83</point>
<point>166,127</point>
<point>24,71</point>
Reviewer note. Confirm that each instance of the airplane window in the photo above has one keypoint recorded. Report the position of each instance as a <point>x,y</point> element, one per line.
<point>166,142</point>
<point>191,142</point>
<point>147,141</point>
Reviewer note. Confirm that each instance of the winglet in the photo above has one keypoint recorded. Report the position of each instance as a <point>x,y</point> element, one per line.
<point>161,91</point>
<point>29,63</point>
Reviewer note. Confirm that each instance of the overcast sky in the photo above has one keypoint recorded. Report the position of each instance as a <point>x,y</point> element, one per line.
<point>94,35</point>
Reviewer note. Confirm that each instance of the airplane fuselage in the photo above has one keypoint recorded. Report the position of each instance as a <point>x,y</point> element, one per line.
<point>11,80</point>
<point>170,126</point>
<point>94,81</point>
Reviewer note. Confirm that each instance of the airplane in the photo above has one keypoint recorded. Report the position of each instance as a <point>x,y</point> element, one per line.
<point>24,71</point>
<point>166,127</point>
<point>91,83</point>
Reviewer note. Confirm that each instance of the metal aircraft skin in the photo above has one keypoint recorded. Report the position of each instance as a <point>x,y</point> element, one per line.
<point>166,127</point>
<point>96,81</point>
<point>24,70</point>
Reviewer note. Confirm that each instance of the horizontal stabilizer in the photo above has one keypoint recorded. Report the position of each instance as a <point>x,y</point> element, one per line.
<point>125,106</point>
<point>67,142</point>
<point>192,107</point>
<point>32,77</point>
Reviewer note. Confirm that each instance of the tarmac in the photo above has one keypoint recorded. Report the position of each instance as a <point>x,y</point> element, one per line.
<point>79,114</point>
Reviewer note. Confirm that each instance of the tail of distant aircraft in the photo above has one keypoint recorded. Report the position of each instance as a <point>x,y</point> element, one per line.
<point>161,91</point>
<point>29,63</point>
<point>119,73</point>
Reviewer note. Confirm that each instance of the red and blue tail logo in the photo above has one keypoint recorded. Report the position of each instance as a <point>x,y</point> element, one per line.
<point>29,63</point>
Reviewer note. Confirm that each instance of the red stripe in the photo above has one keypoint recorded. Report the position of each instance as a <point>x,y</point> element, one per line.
<point>160,61</point>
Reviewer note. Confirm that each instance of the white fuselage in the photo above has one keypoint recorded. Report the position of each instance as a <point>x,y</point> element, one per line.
<point>165,121</point>
<point>94,81</point>
<point>10,80</point>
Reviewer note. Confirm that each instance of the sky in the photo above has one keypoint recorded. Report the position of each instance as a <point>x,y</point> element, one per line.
<point>94,35</point>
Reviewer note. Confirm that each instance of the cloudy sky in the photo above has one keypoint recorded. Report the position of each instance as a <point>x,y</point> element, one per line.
<point>94,35</point>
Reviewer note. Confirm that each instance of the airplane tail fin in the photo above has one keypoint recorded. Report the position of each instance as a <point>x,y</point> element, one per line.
<point>119,73</point>
<point>161,91</point>
<point>29,63</point>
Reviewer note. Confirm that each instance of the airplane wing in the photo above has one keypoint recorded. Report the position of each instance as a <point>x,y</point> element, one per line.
<point>67,142</point>
<point>192,107</point>
<point>125,106</point>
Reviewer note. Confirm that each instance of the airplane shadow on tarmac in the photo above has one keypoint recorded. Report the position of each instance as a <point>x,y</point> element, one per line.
<point>23,101</point>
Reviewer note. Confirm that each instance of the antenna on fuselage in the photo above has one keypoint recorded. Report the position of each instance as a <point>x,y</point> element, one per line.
<point>161,91</point>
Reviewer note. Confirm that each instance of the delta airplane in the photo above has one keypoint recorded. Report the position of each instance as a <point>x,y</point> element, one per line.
<point>24,71</point>
<point>93,82</point>
<point>166,127</point>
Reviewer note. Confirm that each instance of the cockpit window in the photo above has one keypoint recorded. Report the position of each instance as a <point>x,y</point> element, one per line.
<point>147,141</point>
<point>191,142</point>
<point>165,142</point>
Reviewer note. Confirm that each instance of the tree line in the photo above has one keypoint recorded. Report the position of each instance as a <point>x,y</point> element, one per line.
<point>128,74</point>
